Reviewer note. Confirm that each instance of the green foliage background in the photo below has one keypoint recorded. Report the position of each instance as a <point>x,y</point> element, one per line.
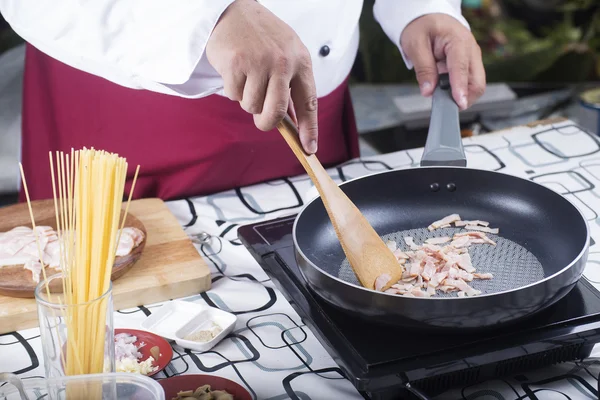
<point>562,50</point>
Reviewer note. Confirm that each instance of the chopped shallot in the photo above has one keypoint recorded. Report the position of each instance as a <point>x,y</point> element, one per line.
<point>128,356</point>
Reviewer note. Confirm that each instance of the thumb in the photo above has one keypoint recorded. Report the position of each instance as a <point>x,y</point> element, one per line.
<point>421,55</point>
<point>304,95</point>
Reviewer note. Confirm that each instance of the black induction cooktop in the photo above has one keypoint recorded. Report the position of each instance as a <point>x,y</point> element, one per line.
<point>381,361</point>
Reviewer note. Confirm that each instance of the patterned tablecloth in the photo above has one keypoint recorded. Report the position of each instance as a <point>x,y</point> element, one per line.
<point>271,352</point>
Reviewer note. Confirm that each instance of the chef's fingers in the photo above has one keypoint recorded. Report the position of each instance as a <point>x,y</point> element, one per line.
<point>276,103</point>
<point>254,93</point>
<point>292,111</point>
<point>421,55</point>
<point>304,95</point>
<point>233,86</point>
<point>458,54</point>
<point>442,68</point>
<point>477,76</point>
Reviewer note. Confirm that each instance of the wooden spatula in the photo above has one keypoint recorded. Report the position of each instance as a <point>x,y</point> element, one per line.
<point>368,255</point>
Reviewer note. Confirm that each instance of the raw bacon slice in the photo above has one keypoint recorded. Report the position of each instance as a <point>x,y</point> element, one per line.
<point>400,255</point>
<point>428,270</point>
<point>438,278</point>
<point>464,262</point>
<point>417,292</point>
<point>483,229</point>
<point>415,269</point>
<point>476,222</point>
<point>391,245</point>
<point>19,246</point>
<point>462,286</point>
<point>474,235</point>
<point>381,281</point>
<point>460,241</point>
<point>410,242</point>
<point>440,263</point>
<point>438,240</point>
<point>444,221</point>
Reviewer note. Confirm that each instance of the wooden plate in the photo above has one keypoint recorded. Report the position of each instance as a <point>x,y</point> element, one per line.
<point>151,340</point>
<point>181,383</point>
<point>16,281</point>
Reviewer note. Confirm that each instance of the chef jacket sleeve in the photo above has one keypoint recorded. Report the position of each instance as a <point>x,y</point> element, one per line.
<point>395,15</point>
<point>142,44</point>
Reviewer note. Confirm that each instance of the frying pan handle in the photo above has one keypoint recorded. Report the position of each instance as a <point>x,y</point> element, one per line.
<point>444,143</point>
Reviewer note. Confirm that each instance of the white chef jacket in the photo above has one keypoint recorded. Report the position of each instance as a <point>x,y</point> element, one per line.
<point>158,45</point>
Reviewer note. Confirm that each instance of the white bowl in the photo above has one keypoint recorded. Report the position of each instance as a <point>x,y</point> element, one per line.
<point>177,319</point>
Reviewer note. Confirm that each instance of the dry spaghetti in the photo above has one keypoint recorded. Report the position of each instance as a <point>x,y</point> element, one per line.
<point>88,187</point>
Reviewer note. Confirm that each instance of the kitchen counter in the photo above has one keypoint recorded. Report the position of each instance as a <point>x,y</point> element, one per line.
<point>271,352</point>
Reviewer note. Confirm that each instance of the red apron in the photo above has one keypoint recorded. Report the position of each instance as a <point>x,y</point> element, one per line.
<point>184,147</point>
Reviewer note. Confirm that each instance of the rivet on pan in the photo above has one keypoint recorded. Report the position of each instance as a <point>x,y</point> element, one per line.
<point>434,187</point>
<point>451,187</point>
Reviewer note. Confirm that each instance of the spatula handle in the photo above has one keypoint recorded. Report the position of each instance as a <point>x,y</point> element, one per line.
<point>290,133</point>
<point>444,143</point>
<point>311,164</point>
<point>368,255</point>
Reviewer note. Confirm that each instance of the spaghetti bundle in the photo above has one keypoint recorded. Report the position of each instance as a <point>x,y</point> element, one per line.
<point>88,187</point>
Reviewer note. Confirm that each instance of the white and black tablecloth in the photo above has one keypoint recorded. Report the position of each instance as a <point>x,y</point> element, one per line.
<point>271,352</point>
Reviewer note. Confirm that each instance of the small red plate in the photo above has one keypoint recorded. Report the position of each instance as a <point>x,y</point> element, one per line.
<point>151,340</point>
<point>180,383</point>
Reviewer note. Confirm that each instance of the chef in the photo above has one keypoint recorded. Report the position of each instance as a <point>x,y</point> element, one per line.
<point>192,90</point>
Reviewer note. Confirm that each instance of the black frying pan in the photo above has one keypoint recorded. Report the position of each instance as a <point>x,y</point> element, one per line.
<point>541,249</point>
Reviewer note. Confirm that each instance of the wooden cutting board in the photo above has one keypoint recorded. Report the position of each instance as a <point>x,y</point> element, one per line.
<point>169,267</point>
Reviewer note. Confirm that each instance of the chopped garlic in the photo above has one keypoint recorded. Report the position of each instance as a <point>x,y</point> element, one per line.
<point>131,365</point>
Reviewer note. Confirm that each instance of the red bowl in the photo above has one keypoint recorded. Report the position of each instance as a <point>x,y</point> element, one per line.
<point>151,340</point>
<point>180,383</point>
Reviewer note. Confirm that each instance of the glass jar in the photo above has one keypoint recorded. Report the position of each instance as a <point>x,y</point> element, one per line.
<point>76,339</point>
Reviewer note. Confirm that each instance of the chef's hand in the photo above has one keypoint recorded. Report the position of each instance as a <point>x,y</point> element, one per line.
<point>260,59</point>
<point>438,43</point>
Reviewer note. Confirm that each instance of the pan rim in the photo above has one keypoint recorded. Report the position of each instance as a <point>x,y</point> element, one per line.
<point>548,278</point>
